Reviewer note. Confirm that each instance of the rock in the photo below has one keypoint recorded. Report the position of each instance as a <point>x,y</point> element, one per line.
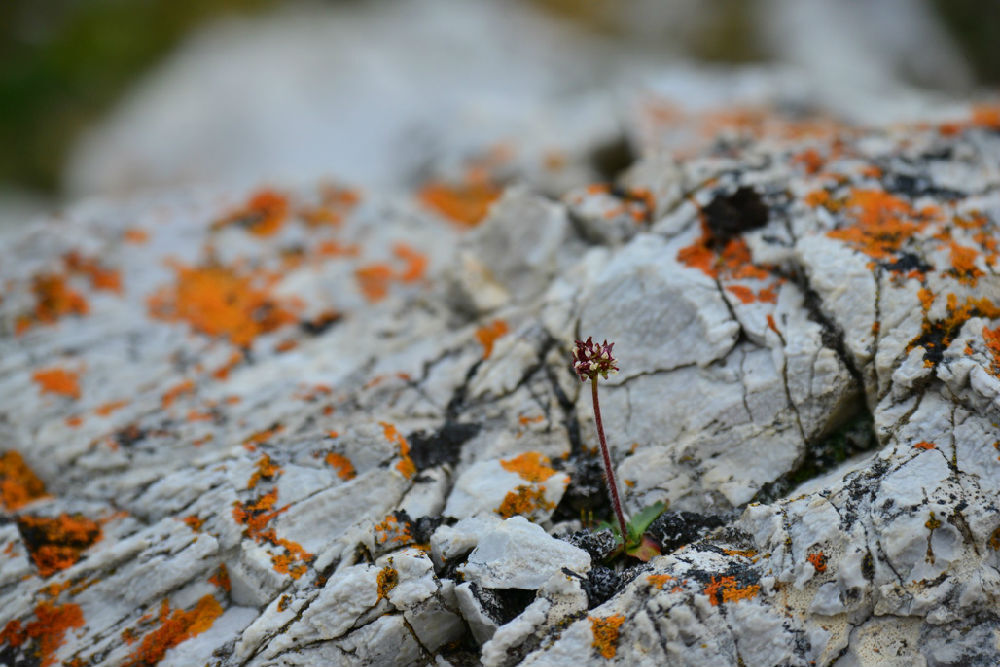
<point>261,427</point>
<point>520,554</point>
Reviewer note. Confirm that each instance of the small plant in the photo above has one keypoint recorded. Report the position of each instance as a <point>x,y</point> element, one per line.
<point>591,359</point>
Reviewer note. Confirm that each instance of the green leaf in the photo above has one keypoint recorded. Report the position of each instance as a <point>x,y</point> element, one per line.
<point>641,521</point>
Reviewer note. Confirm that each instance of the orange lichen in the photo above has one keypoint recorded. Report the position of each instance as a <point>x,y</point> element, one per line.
<point>54,299</point>
<point>55,544</point>
<point>221,578</point>
<point>171,395</point>
<point>992,339</point>
<point>529,466</point>
<point>744,294</point>
<point>405,465</point>
<point>256,514</point>
<point>193,522</point>
<point>286,345</point>
<point>963,264</point>
<point>74,421</point>
<point>878,223</point>
<point>259,437</point>
<point>416,263</point>
<point>106,409</point>
<point>342,464</point>
<point>926,298</point>
<point>465,204</point>
<point>374,280</point>
<point>263,214</point>
<point>265,470</point>
<point>222,302</point>
<point>605,632</point>
<point>48,630</point>
<point>727,589</point>
<point>525,500</point>
<point>18,483</point>
<point>524,420</point>
<point>386,580</point>
<point>283,602</point>
<point>135,235</point>
<point>818,561</point>
<point>986,115</point>
<point>391,530</point>
<point>101,278</point>
<point>175,628</point>
<point>58,381</point>
<point>733,261</point>
<point>925,445</point>
<point>294,563</point>
<point>488,334</point>
<point>657,580</point>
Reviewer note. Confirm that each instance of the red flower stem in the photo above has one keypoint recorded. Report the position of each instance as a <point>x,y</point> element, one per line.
<point>608,470</point>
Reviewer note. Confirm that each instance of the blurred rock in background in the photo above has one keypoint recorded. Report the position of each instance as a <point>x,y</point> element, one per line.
<point>110,97</point>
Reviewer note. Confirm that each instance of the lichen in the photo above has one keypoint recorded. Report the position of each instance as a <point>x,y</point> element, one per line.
<point>18,483</point>
<point>175,627</point>
<point>58,381</point>
<point>606,633</point>
<point>48,630</point>
<point>530,466</point>
<point>525,500</point>
<point>57,543</point>
<point>489,333</point>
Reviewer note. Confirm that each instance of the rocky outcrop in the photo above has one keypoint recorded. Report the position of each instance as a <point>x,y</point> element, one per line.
<point>319,426</point>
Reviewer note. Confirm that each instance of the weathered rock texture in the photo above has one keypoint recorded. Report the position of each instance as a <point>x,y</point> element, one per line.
<point>323,427</point>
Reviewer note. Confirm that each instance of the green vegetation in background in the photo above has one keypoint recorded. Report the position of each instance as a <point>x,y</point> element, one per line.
<point>63,62</point>
<point>975,27</point>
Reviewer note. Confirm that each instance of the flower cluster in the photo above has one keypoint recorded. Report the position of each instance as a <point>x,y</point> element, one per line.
<point>591,359</point>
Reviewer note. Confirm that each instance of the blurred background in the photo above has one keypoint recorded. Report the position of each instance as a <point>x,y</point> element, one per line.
<point>116,97</point>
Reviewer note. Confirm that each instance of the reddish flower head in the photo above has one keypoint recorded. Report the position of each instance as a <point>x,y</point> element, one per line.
<point>591,359</point>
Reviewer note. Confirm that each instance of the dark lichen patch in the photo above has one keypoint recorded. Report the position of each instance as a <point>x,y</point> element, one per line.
<point>907,262</point>
<point>672,530</point>
<point>503,605</point>
<point>601,584</point>
<point>320,324</point>
<point>585,497</point>
<point>730,215</point>
<point>599,544</point>
<point>443,446</point>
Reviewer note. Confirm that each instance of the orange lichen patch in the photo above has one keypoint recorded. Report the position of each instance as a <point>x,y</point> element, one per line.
<point>342,464</point>
<point>810,160</point>
<point>936,335</point>
<point>465,204</point>
<point>223,371</point>
<point>743,553</point>
<point>48,630</point>
<point>391,530</point>
<point>727,589</point>
<point>171,395</point>
<point>524,420</point>
<point>223,302</point>
<point>135,235</point>
<point>175,627</point>
<point>818,561</point>
<point>286,345</point>
<point>55,544</point>
<point>337,202</point>
<point>283,602</point>
<point>221,578</point>
<point>416,263</point>
<point>525,500</point>
<point>193,522</point>
<point>256,514</point>
<point>251,441</point>
<point>101,278</point>
<point>199,416</point>
<point>263,214</point>
<point>386,580</point>
<point>374,280</point>
<point>294,563</point>
<point>879,223</point>
<point>529,466</point>
<point>18,483</point>
<point>733,261</point>
<point>925,445</point>
<point>926,298</point>
<point>106,409</point>
<point>488,334</point>
<point>992,339</point>
<point>986,115</point>
<point>963,264</point>
<point>392,434</point>
<point>54,299</point>
<point>744,294</point>
<point>605,632</point>
<point>74,421</point>
<point>266,470</point>
<point>657,580</point>
<point>58,381</point>
<point>331,248</point>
